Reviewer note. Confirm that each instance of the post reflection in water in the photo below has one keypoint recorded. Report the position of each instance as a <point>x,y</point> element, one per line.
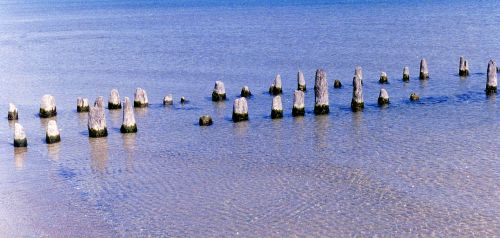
<point>141,112</point>
<point>54,151</point>
<point>219,108</point>
<point>240,128</point>
<point>129,147</point>
<point>322,124</point>
<point>82,118</point>
<point>357,121</point>
<point>277,132</point>
<point>19,157</point>
<point>45,121</point>
<point>99,153</point>
<point>115,117</point>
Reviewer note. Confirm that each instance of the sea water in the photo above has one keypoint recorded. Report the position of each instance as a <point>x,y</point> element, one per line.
<point>426,168</point>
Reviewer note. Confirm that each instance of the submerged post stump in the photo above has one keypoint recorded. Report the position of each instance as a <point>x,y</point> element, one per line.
<point>128,124</point>
<point>383,78</point>
<point>301,82</point>
<point>114,100</point>
<point>168,100</point>
<point>245,92</point>
<point>414,97</point>
<point>99,102</point>
<point>19,136</point>
<point>298,103</point>
<point>321,104</point>
<point>140,98</point>
<point>184,100</point>
<point>52,134</point>
<point>12,114</point>
<point>97,122</point>
<point>491,78</point>
<point>82,104</point>
<point>337,84</point>
<point>406,74</point>
<point>275,88</point>
<point>357,102</point>
<point>383,97</point>
<point>240,110</point>
<point>219,93</point>
<point>48,106</point>
<point>424,71</point>
<point>464,67</point>
<point>205,120</point>
<point>277,107</point>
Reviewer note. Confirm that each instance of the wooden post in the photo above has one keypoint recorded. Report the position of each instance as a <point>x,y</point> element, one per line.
<point>12,114</point>
<point>82,104</point>
<point>321,105</point>
<point>277,108</point>
<point>19,136</point>
<point>240,110</point>
<point>301,82</point>
<point>298,103</point>
<point>52,134</point>
<point>491,78</point>
<point>357,102</point>
<point>114,100</point>
<point>97,122</point>
<point>424,71</point>
<point>383,97</point>
<point>219,93</point>
<point>128,124</point>
<point>48,106</point>
<point>140,98</point>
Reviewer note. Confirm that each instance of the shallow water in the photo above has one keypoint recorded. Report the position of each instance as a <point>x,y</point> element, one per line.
<point>427,168</point>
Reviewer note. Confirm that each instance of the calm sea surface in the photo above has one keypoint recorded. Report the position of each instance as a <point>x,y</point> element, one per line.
<point>427,168</point>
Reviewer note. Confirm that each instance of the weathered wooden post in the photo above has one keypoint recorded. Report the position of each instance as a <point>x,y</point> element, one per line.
<point>358,71</point>
<point>321,104</point>
<point>12,114</point>
<point>277,108</point>
<point>128,124</point>
<point>52,134</point>
<point>298,103</point>
<point>383,97</point>
<point>414,97</point>
<point>406,74</point>
<point>240,110</point>
<point>301,82</point>
<point>219,93</point>
<point>357,102</point>
<point>19,136</point>
<point>424,71</point>
<point>140,98</point>
<point>337,84</point>
<point>99,102</point>
<point>168,100</point>
<point>464,67</point>
<point>383,78</point>
<point>114,100</point>
<point>275,88</point>
<point>82,104</point>
<point>205,120</point>
<point>48,106</point>
<point>97,122</point>
<point>245,92</point>
<point>491,78</point>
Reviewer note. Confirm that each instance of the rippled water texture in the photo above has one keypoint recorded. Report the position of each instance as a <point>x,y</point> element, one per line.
<point>427,168</point>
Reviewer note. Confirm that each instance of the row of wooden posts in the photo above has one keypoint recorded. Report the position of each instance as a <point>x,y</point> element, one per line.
<point>97,120</point>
